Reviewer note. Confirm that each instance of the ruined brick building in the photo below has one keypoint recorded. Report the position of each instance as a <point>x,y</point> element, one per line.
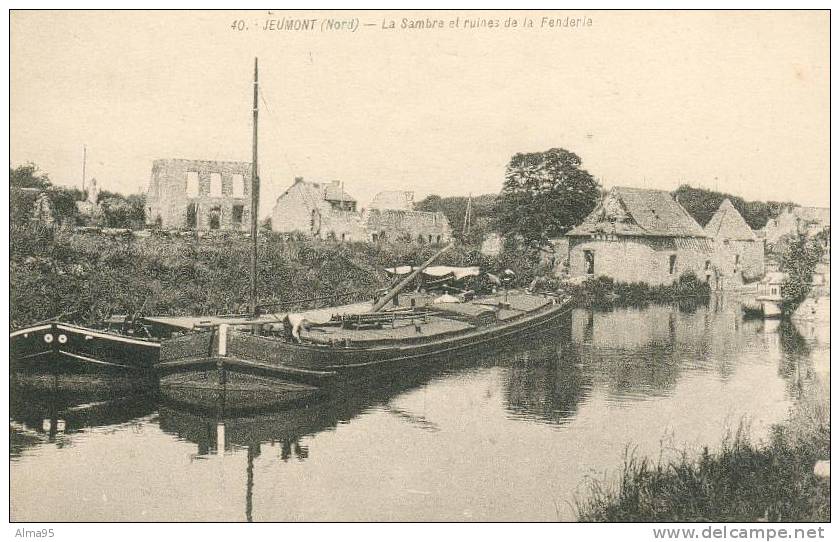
<point>326,211</point>
<point>199,194</point>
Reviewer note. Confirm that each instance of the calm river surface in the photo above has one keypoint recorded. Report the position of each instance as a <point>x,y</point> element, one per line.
<point>509,435</point>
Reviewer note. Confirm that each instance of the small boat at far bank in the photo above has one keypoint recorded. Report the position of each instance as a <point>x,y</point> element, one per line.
<point>768,301</point>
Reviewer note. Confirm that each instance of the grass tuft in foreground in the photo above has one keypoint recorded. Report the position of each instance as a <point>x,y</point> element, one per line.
<point>743,481</point>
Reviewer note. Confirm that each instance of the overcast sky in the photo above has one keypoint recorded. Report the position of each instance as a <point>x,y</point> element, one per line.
<point>730,101</point>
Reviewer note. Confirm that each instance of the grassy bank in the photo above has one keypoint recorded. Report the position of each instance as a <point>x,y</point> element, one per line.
<point>56,272</point>
<point>742,481</point>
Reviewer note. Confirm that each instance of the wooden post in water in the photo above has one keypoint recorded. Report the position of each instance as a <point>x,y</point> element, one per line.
<point>220,358</point>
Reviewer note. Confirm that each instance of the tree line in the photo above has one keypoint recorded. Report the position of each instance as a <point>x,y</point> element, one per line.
<point>546,194</point>
<point>543,196</point>
<point>27,182</point>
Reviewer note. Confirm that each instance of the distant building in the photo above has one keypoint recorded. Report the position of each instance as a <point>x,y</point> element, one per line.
<point>326,211</point>
<point>42,209</point>
<point>795,220</point>
<point>492,244</point>
<point>408,226</point>
<point>639,235</point>
<point>89,209</point>
<point>322,210</point>
<point>393,199</point>
<point>739,253</point>
<point>199,195</point>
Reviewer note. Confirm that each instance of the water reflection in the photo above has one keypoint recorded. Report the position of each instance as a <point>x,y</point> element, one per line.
<point>41,415</point>
<point>497,435</point>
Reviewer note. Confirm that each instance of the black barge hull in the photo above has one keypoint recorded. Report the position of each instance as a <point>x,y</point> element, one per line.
<point>59,347</point>
<point>321,364</point>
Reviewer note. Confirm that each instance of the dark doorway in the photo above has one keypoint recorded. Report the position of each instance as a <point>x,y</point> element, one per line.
<point>215,218</point>
<point>238,212</point>
<point>191,215</point>
<point>589,262</point>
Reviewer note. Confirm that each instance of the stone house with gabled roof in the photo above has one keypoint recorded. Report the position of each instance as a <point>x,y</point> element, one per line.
<point>739,254</point>
<point>319,209</point>
<point>326,211</point>
<point>639,235</point>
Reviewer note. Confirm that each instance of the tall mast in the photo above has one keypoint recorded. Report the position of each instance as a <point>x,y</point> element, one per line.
<point>468,216</point>
<point>255,198</point>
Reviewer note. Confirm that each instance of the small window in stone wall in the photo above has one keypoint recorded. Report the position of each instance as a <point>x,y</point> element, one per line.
<point>216,185</point>
<point>192,184</point>
<point>672,264</point>
<point>238,185</point>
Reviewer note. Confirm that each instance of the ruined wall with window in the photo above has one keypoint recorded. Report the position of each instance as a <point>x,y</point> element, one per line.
<point>407,226</point>
<point>326,211</point>
<point>199,194</point>
<point>651,260</point>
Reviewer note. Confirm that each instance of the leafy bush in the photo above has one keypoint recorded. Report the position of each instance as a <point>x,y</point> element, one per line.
<point>604,291</point>
<point>799,260</point>
<point>56,272</point>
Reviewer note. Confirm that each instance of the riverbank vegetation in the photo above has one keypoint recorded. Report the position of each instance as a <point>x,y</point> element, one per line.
<point>799,261</point>
<point>741,482</point>
<point>56,272</point>
<point>744,480</point>
<point>702,204</point>
<point>604,291</point>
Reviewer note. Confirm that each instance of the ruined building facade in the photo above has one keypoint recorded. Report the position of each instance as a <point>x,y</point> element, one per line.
<point>326,211</point>
<point>199,195</point>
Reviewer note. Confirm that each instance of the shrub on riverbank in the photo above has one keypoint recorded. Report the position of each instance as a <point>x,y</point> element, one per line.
<point>603,291</point>
<point>56,272</point>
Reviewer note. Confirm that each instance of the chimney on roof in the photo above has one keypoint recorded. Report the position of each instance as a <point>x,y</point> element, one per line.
<point>298,180</point>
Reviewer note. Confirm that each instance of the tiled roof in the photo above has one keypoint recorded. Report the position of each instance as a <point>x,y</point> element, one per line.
<point>639,211</point>
<point>727,223</point>
<point>334,192</point>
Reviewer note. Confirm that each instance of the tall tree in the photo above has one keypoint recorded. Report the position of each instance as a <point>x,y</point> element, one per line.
<point>28,176</point>
<point>545,194</point>
<point>482,210</point>
<point>799,260</point>
<point>26,181</point>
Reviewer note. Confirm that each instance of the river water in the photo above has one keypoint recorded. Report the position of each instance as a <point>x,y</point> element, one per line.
<point>514,434</point>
